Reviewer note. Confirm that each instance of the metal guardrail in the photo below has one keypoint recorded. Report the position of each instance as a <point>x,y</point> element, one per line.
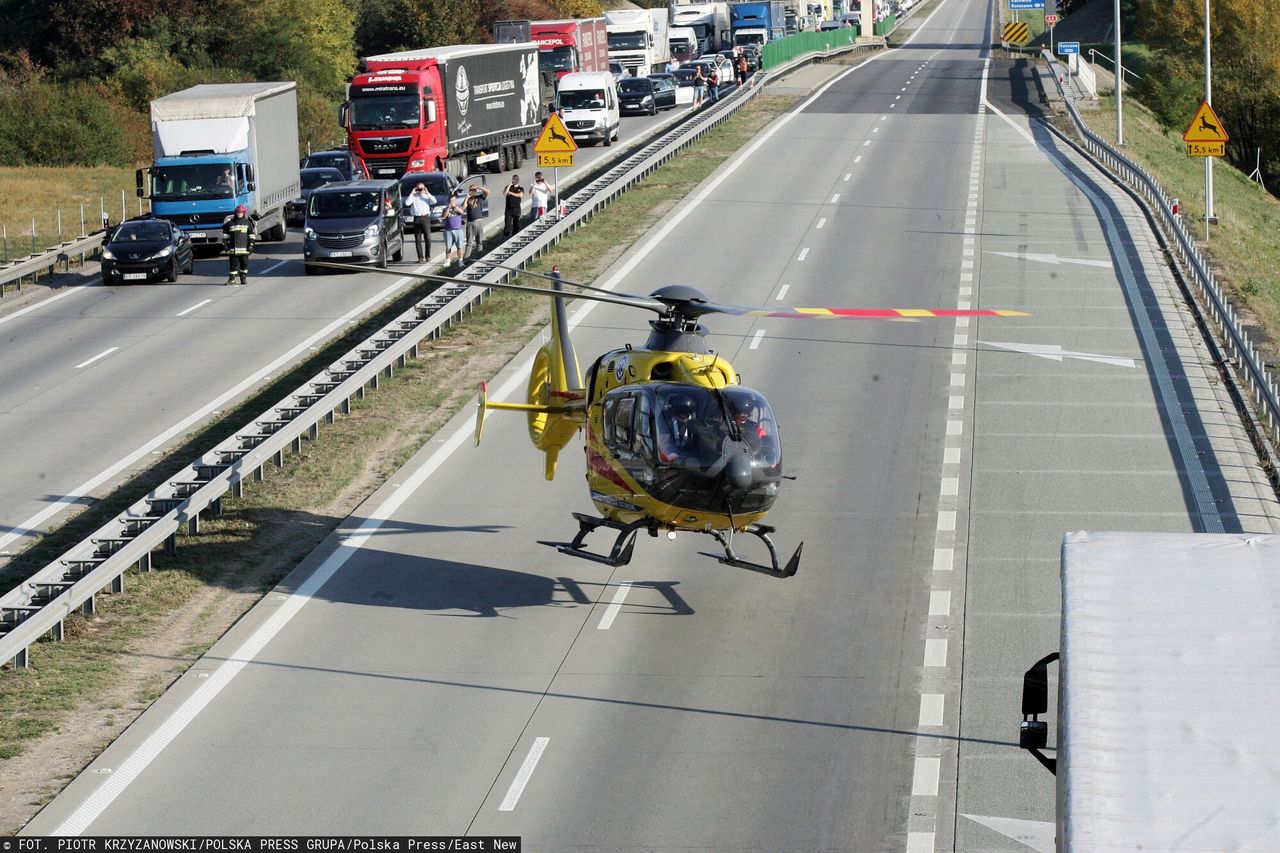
<point>38,263</point>
<point>72,582</point>
<point>1240,349</point>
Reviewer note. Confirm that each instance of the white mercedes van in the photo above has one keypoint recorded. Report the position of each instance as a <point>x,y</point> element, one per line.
<point>588,103</point>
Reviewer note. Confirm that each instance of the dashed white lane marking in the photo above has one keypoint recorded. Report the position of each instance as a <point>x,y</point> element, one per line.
<point>835,197</point>
<point>893,106</point>
<point>522,776</point>
<point>195,307</point>
<point>783,291</point>
<point>943,559</point>
<point>957,380</point>
<point>100,355</point>
<point>955,403</point>
<point>42,303</point>
<point>276,265</point>
<point>866,142</point>
<point>611,612</point>
<point>959,358</point>
<point>950,485</point>
<point>960,341</point>
<point>821,222</point>
<point>756,338</point>
<point>940,602</point>
<point>875,130</point>
<point>882,118</point>
<point>966,291</point>
<point>951,456</point>
<point>955,427</point>
<point>935,652</point>
<point>963,304</point>
<point>920,842</point>
<point>931,708</point>
<point>849,175</point>
<point>903,89</point>
<point>857,159</point>
<point>924,782</point>
<point>804,253</point>
<point>947,521</point>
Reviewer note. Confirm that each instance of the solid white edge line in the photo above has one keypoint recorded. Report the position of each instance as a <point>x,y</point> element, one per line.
<point>198,305</point>
<point>131,767</point>
<point>522,777</point>
<point>33,523</point>
<point>276,265</point>
<point>611,613</point>
<point>100,355</point>
<point>755,340</point>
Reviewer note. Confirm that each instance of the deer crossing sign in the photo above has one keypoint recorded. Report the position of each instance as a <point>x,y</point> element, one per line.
<point>555,146</point>
<point>1205,136</point>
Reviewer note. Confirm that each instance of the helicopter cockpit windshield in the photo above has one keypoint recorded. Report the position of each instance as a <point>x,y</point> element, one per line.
<point>696,447</point>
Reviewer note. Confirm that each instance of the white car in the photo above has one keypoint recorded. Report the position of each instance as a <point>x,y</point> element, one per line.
<point>722,65</point>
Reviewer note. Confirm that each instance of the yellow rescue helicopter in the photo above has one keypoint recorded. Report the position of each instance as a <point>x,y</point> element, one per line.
<point>673,440</point>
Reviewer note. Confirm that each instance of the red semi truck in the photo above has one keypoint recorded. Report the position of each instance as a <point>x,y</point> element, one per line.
<point>571,44</point>
<point>456,109</point>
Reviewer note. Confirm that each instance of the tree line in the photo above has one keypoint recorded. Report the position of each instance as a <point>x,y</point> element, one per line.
<point>77,76</point>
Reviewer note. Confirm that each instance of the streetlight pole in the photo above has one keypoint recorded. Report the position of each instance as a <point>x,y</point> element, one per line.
<point>1119,69</point>
<point>1208,99</point>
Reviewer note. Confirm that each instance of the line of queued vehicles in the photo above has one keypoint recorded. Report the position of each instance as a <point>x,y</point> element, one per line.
<point>441,116</point>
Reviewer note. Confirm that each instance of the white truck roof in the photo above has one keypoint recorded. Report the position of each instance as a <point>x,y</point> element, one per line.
<point>448,52</point>
<point>1169,683</point>
<point>215,100</point>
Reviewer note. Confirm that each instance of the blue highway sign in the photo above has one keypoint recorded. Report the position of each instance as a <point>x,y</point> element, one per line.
<point>1018,5</point>
<point>1068,47</point>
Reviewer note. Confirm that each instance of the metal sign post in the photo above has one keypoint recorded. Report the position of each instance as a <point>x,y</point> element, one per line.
<point>1119,69</point>
<point>1208,99</point>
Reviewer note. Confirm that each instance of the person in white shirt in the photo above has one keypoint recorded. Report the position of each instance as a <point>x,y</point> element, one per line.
<point>540,192</point>
<point>419,205</point>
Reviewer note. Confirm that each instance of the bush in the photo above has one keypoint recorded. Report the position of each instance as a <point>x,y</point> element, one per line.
<point>1170,91</point>
<point>61,124</point>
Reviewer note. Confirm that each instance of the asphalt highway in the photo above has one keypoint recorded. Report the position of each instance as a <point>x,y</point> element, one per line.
<point>98,379</point>
<point>433,670</point>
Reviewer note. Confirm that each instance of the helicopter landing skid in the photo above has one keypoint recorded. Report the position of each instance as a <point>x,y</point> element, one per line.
<point>619,555</point>
<point>761,532</point>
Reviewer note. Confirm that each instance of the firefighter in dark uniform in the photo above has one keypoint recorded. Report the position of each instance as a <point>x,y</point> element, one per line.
<point>238,236</point>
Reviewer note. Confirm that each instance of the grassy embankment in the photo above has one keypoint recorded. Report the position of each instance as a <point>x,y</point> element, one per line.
<point>1243,245</point>
<point>42,192</point>
<point>264,534</point>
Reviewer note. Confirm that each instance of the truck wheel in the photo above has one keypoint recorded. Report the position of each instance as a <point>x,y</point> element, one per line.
<point>504,159</point>
<point>517,155</point>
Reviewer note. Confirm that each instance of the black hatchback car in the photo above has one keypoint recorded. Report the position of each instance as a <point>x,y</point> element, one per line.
<point>145,250</point>
<point>350,165</point>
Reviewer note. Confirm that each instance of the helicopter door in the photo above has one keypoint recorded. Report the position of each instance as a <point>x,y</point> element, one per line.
<point>628,433</point>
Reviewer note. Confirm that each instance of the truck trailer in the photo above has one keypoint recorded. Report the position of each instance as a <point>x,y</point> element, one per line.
<point>457,108</point>
<point>709,21</point>
<point>638,39</point>
<point>757,23</point>
<point>1167,677</point>
<point>571,44</point>
<point>216,146</point>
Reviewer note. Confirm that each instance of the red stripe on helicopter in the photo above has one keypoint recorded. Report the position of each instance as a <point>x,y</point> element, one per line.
<point>597,464</point>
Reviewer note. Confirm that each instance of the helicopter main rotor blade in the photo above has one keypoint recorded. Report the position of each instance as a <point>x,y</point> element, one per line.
<point>867,313</point>
<point>600,296</point>
<point>553,277</point>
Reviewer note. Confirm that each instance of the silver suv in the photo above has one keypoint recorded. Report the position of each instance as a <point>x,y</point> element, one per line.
<point>353,222</point>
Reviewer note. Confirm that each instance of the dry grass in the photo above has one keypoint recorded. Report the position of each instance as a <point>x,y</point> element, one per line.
<point>1243,246</point>
<point>41,192</point>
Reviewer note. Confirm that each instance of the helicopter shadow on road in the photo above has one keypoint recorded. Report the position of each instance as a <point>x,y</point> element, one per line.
<point>1162,350</point>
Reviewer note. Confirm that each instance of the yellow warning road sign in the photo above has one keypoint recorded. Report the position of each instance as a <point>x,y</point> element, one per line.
<point>1205,127</point>
<point>1017,32</point>
<point>1206,149</point>
<point>555,158</point>
<point>555,138</point>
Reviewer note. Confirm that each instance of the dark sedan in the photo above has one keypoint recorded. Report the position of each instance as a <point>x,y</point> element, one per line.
<point>350,165</point>
<point>146,249</point>
<point>664,90</point>
<point>639,95</point>
<point>296,211</point>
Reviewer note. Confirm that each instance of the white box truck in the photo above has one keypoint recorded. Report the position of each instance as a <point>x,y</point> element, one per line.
<point>638,39</point>
<point>1169,672</point>
<point>219,145</point>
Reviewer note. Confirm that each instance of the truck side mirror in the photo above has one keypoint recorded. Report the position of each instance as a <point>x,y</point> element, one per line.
<point>343,108</point>
<point>1033,733</point>
<point>137,179</point>
<point>431,111</point>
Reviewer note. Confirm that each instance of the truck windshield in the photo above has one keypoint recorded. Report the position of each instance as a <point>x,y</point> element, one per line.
<point>384,112</point>
<point>582,99</point>
<point>556,59</point>
<point>343,205</point>
<point>627,41</point>
<point>193,181</point>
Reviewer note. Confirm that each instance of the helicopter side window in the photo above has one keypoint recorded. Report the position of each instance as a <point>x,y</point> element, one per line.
<point>643,443</point>
<point>622,423</point>
<point>607,420</point>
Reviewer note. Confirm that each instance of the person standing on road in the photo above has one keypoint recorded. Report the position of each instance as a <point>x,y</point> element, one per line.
<point>742,70</point>
<point>239,233</point>
<point>713,86</point>
<point>452,220</point>
<point>514,194</point>
<point>420,201</point>
<point>540,191</point>
<point>474,209</point>
<point>699,87</point>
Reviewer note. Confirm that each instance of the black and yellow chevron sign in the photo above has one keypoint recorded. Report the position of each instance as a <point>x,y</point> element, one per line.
<point>1017,32</point>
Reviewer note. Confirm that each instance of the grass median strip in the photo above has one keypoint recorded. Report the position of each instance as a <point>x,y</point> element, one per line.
<point>78,695</point>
